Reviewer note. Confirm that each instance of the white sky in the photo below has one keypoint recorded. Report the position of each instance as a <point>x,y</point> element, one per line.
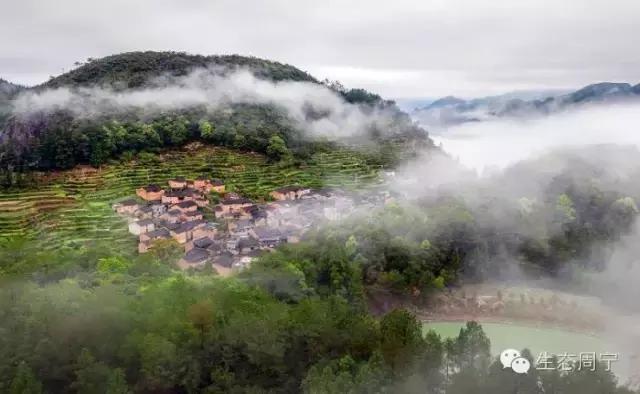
<point>400,48</point>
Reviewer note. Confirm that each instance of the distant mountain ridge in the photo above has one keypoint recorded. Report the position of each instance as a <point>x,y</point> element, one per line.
<point>451,110</point>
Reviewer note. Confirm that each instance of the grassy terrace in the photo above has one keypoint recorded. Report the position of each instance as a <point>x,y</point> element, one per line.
<point>74,207</point>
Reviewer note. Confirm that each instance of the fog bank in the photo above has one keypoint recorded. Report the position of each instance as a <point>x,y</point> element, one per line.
<point>486,146</point>
<point>316,109</point>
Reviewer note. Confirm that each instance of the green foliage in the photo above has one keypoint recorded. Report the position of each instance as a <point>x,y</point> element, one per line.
<point>277,148</point>
<point>565,208</point>
<point>402,340</point>
<point>113,265</point>
<point>206,130</point>
<point>24,381</point>
<point>63,141</point>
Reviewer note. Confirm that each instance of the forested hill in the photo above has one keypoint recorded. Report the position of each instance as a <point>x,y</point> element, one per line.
<point>148,101</point>
<point>136,69</point>
<point>8,91</point>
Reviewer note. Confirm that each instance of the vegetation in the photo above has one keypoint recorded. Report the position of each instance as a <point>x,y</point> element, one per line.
<point>137,69</point>
<point>140,328</point>
<point>72,210</point>
<point>61,140</point>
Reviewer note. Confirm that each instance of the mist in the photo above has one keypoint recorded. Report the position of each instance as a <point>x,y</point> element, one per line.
<point>496,144</point>
<point>316,110</point>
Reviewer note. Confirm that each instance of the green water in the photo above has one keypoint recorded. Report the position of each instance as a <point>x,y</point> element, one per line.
<point>538,340</point>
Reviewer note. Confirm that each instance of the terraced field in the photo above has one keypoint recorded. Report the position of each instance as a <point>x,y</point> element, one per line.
<point>74,207</point>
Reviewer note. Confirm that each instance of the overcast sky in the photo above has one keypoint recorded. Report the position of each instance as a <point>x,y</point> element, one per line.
<point>399,48</point>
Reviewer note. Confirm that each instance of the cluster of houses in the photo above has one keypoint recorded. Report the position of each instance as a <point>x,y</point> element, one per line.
<point>231,233</point>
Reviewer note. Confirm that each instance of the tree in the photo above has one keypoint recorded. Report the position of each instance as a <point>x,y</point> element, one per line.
<point>277,148</point>
<point>117,383</point>
<point>24,381</point>
<point>565,209</point>
<point>206,130</point>
<point>402,341</point>
<point>472,348</point>
<point>113,265</point>
<point>91,375</point>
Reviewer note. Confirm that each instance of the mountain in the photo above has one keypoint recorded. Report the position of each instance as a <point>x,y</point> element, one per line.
<point>137,69</point>
<point>450,111</point>
<point>149,101</point>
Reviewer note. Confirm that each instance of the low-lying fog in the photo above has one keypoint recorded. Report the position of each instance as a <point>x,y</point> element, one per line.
<point>485,146</point>
<point>605,137</point>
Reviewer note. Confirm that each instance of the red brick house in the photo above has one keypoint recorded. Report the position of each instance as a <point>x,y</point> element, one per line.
<point>178,183</point>
<point>150,192</point>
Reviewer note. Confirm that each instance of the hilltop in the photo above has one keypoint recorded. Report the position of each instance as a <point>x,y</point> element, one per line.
<point>98,111</point>
<point>137,69</point>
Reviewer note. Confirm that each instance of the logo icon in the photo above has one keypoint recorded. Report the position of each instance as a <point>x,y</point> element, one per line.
<point>520,365</point>
<point>507,357</point>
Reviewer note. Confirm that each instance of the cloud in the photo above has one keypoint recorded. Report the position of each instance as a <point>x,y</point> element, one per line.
<point>317,110</point>
<point>462,47</point>
<point>490,145</point>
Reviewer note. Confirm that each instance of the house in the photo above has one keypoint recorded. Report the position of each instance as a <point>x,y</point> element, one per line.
<point>201,182</point>
<point>158,209</point>
<point>240,227</point>
<point>183,233</point>
<point>144,213</point>
<point>185,206</point>
<point>191,216</point>
<point>203,242</point>
<point>215,248</point>
<point>126,207</point>
<point>289,193</point>
<point>201,202</point>
<point>230,206</point>
<point>147,239</point>
<point>177,183</point>
<point>141,226</point>
<point>195,258</point>
<point>223,264</point>
<point>208,230</point>
<point>191,195</point>
<point>172,217</point>
<point>154,235</point>
<point>268,237</point>
<point>150,192</point>
<point>208,185</point>
<point>248,245</point>
<point>173,197</point>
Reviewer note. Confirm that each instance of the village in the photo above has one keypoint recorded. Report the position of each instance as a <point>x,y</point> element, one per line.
<point>230,234</point>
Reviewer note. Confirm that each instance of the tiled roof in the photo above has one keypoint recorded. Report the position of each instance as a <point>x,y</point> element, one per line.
<point>196,255</point>
<point>152,188</point>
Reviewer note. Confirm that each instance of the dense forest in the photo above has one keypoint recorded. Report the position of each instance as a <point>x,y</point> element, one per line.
<point>59,139</point>
<point>98,322</point>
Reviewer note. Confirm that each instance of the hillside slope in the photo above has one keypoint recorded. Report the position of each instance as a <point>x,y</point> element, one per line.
<point>8,91</point>
<point>149,101</point>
